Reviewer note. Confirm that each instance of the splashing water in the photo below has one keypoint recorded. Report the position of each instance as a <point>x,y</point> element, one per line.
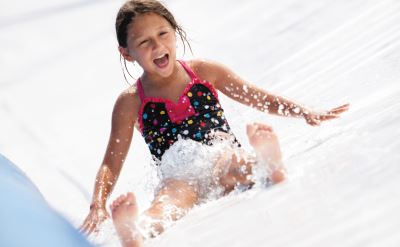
<point>193,162</point>
<point>198,164</point>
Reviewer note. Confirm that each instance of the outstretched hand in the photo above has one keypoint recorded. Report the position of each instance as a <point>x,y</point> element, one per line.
<point>315,119</point>
<point>93,220</point>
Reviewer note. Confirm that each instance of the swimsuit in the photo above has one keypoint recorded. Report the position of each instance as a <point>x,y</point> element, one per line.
<point>196,114</point>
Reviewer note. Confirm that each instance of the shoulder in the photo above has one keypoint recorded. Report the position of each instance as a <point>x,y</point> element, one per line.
<point>128,102</point>
<point>208,70</point>
<point>211,71</point>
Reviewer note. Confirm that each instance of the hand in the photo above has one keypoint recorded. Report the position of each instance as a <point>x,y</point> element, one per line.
<point>94,219</point>
<point>315,119</point>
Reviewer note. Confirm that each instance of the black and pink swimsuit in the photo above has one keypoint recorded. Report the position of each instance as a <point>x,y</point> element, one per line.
<point>194,116</point>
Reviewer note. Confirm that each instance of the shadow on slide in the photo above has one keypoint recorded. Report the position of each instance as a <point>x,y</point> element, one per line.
<point>25,217</point>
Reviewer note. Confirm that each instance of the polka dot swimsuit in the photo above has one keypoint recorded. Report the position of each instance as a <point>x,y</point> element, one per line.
<point>194,116</point>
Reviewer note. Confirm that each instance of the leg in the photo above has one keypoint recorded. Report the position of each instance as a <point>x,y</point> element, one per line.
<point>124,213</point>
<point>231,170</point>
<point>266,145</point>
<point>171,203</point>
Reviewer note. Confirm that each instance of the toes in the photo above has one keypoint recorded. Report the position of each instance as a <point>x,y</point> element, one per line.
<point>264,133</point>
<point>121,198</point>
<point>130,197</point>
<point>117,202</point>
<point>263,126</point>
<point>251,129</point>
<point>269,128</point>
<point>113,206</point>
<point>260,126</point>
<point>267,134</point>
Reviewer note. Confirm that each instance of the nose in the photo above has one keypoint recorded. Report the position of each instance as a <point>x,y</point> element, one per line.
<point>157,44</point>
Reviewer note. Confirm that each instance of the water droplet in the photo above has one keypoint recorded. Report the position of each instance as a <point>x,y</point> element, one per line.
<point>296,110</point>
<point>245,88</point>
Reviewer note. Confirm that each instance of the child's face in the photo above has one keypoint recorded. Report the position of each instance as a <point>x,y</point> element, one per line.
<point>152,43</point>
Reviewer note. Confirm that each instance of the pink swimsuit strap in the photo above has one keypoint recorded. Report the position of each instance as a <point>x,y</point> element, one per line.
<point>140,90</point>
<point>188,69</point>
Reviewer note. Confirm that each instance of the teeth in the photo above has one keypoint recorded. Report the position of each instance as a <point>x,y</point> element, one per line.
<point>161,56</point>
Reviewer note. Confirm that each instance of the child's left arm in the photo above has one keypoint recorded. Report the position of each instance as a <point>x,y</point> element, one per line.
<point>248,94</point>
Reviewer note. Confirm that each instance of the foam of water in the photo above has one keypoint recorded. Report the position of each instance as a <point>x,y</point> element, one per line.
<point>194,162</point>
<point>198,164</point>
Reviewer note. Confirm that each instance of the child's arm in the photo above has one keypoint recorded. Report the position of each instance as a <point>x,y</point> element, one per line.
<point>123,120</point>
<point>248,94</point>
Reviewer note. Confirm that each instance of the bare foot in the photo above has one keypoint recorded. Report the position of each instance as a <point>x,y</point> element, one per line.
<point>124,211</point>
<point>266,145</point>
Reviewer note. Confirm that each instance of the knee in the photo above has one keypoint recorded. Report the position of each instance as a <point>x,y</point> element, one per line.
<point>231,171</point>
<point>180,194</point>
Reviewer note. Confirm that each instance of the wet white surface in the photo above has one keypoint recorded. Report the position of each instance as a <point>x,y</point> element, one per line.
<point>61,75</point>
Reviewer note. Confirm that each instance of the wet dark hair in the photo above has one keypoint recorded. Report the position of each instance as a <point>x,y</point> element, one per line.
<point>133,8</point>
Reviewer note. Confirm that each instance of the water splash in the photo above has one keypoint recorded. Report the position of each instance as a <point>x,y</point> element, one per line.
<point>197,164</point>
<point>193,162</point>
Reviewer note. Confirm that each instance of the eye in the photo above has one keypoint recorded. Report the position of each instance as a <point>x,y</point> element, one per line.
<point>144,42</point>
<point>163,33</point>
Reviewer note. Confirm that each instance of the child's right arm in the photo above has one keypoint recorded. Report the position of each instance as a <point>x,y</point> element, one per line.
<point>123,120</point>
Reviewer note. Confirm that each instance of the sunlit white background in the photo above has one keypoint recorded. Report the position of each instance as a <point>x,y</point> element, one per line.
<point>60,76</point>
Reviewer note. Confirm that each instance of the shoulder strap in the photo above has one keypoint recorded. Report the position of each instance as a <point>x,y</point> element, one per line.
<point>140,89</point>
<point>188,69</point>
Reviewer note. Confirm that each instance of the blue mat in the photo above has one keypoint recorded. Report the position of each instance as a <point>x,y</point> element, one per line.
<point>25,217</point>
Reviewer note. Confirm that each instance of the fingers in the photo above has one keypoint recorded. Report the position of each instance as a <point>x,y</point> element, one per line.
<point>327,117</point>
<point>332,114</point>
<point>93,220</point>
<point>313,122</point>
<point>340,109</point>
<point>88,227</point>
<point>84,227</point>
<point>91,225</point>
<point>345,106</point>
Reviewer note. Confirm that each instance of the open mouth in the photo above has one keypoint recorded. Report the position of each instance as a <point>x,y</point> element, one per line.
<point>162,61</point>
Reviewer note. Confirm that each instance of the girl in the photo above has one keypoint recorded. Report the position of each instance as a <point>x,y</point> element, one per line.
<point>173,101</point>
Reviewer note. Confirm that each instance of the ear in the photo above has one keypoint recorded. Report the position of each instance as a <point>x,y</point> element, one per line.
<point>125,53</point>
